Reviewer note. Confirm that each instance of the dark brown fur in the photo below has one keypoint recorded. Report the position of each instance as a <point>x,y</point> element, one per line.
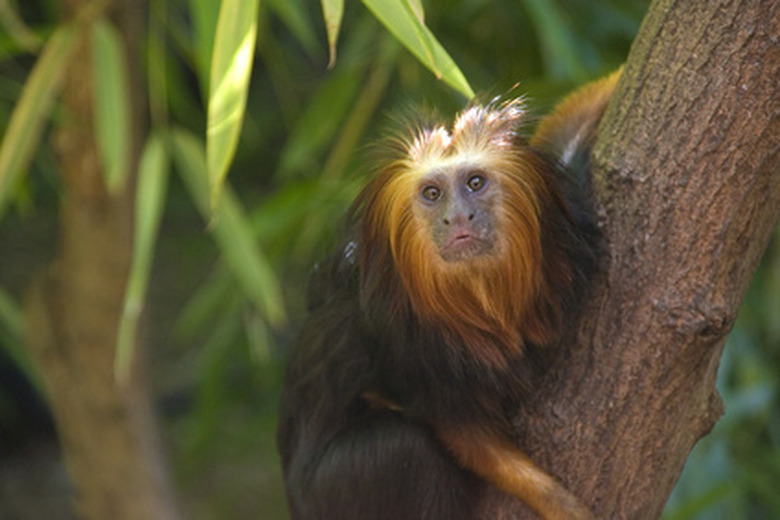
<point>396,398</point>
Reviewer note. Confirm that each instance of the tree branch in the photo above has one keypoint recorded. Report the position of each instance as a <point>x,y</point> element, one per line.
<point>688,192</point>
<point>108,431</point>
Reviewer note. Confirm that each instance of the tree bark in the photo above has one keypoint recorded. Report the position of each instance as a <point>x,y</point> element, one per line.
<point>107,432</point>
<point>688,191</point>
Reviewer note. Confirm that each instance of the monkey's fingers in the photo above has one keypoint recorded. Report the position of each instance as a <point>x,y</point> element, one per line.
<point>498,461</point>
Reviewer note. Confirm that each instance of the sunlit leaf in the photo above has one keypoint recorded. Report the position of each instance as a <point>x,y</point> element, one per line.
<point>24,128</point>
<point>417,8</point>
<point>404,22</point>
<point>112,103</point>
<point>332,11</point>
<point>149,206</point>
<point>204,14</point>
<point>231,230</point>
<point>231,64</point>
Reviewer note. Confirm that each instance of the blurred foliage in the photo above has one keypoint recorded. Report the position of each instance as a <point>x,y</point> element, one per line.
<point>218,336</point>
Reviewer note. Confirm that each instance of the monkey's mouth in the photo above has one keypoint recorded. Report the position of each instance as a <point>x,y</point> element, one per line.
<point>463,245</point>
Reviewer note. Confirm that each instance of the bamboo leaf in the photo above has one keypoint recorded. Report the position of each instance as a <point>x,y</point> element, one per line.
<point>204,14</point>
<point>294,14</point>
<point>33,108</point>
<point>201,308</point>
<point>231,229</point>
<point>362,110</point>
<point>112,103</point>
<point>20,34</point>
<point>417,9</point>
<point>231,64</point>
<point>149,206</point>
<point>157,68</point>
<point>320,120</point>
<point>404,20</point>
<point>332,11</point>
<point>12,339</point>
<point>558,49</point>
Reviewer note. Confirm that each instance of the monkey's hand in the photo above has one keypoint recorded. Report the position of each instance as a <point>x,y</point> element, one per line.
<point>497,460</point>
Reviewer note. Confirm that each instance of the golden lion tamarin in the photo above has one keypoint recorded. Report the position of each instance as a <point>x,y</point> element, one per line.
<point>471,245</point>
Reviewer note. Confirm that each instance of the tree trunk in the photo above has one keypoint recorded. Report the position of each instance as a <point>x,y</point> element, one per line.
<point>108,432</point>
<point>688,192</point>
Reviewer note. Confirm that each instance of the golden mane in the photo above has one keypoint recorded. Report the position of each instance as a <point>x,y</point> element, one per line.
<point>488,303</point>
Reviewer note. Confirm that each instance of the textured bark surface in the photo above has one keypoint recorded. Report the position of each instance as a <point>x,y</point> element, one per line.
<point>108,433</point>
<point>688,192</point>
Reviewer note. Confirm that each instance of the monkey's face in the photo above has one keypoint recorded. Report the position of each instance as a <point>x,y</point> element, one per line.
<point>456,204</point>
<point>454,216</point>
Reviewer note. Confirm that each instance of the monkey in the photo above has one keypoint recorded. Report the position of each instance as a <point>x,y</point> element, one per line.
<point>470,247</point>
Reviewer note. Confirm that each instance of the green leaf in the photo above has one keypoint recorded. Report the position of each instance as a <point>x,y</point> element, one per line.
<point>157,68</point>
<point>204,14</point>
<point>558,47</point>
<point>19,33</point>
<point>12,339</point>
<point>231,64</point>
<point>112,103</point>
<point>332,11</point>
<point>404,21</point>
<point>33,108</point>
<point>320,121</point>
<point>294,14</point>
<point>362,110</point>
<point>417,8</point>
<point>206,303</point>
<point>259,337</point>
<point>231,230</point>
<point>149,206</point>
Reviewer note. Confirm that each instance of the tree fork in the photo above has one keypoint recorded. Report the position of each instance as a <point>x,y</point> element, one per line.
<point>687,190</point>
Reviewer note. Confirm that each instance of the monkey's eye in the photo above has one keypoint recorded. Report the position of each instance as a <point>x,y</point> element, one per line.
<point>431,193</point>
<point>476,182</point>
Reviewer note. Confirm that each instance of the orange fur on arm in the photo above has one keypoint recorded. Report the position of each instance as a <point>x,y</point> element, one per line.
<point>471,246</point>
<point>493,457</point>
<point>486,308</point>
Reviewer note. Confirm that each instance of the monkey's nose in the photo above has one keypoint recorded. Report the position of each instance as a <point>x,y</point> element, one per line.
<point>458,218</point>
